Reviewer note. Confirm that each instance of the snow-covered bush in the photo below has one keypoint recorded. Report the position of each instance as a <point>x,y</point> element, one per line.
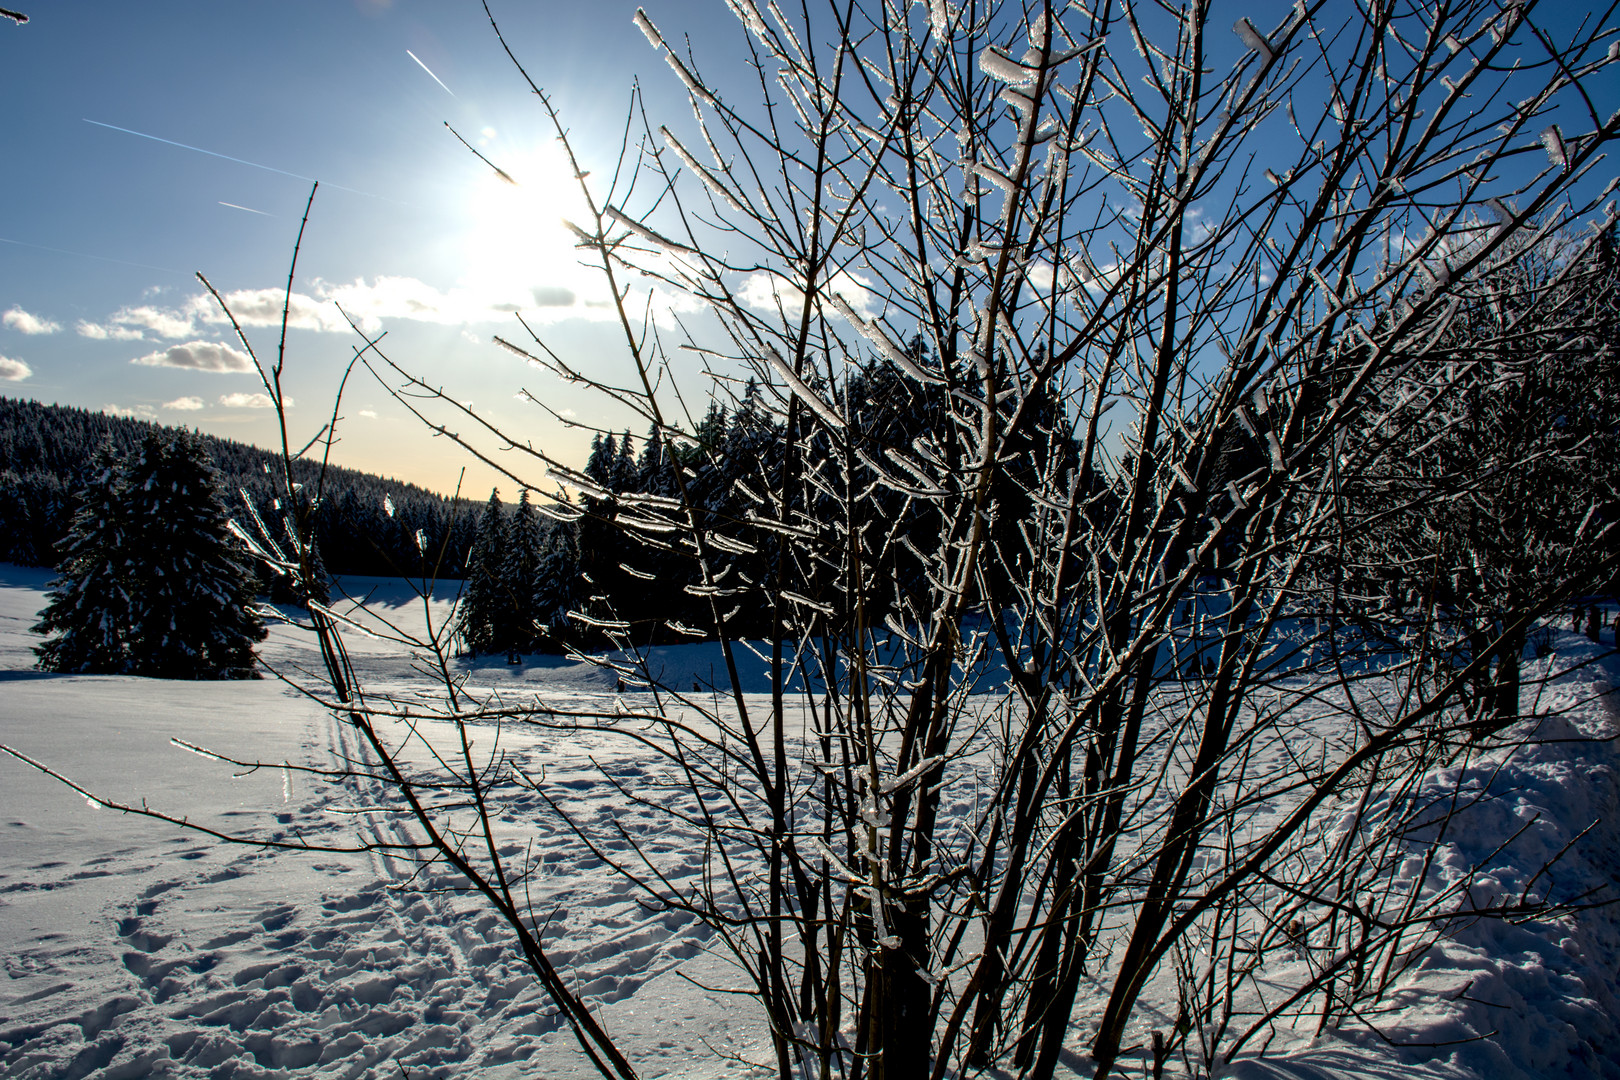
<point>1485,476</point>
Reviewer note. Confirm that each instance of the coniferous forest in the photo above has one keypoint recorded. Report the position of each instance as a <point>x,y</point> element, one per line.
<point>588,569</point>
<point>366,525</point>
<point>539,576</point>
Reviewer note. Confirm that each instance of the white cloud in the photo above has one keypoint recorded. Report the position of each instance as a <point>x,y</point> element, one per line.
<point>97,332</point>
<point>161,321</point>
<point>1042,278</point>
<point>369,414</point>
<point>139,412</point>
<point>198,356</point>
<point>24,323</point>
<point>764,292</point>
<point>185,404</point>
<point>1196,225</point>
<point>367,302</point>
<point>1105,278</point>
<point>371,303</point>
<point>262,307</point>
<point>14,370</point>
<point>249,401</point>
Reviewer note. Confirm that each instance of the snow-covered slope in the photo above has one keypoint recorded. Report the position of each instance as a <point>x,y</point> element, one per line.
<point>131,948</point>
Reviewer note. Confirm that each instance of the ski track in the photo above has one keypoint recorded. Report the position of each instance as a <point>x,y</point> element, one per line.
<point>207,961</point>
<point>386,968</point>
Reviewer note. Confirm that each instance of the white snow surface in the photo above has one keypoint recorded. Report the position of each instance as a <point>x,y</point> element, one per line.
<point>132,948</point>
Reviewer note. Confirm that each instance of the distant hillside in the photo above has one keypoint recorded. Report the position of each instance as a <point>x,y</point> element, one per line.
<point>44,450</point>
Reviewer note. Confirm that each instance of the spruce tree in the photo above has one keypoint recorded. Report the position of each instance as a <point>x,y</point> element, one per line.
<point>556,587</point>
<point>191,616</point>
<point>624,474</point>
<point>153,583</point>
<point>88,612</point>
<point>601,545</point>
<point>519,576</point>
<point>476,621</point>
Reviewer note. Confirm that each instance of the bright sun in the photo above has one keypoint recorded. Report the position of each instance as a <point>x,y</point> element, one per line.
<point>516,241</point>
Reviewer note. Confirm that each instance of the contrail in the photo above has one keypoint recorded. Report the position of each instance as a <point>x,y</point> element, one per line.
<point>429,70</point>
<point>249,209</point>
<point>200,150</point>
<point>227,157</point>
<point>82,255</point>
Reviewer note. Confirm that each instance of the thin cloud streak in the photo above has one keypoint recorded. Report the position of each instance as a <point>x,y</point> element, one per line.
<point>429,70</point>
<point>227,157</point>
<point>249,209</point>
<point>97,258</point>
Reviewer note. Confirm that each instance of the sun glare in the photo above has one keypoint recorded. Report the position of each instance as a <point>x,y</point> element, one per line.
<point>517,246</point>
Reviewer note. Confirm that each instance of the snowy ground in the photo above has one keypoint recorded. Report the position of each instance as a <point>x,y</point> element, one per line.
<point>131,948</point>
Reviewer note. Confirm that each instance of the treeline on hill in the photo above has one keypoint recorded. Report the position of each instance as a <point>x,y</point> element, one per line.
<point>618,563</point>
<point>541,576</point>
<point>366,525</point>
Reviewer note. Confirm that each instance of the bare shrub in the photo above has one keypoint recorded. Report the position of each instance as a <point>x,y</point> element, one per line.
<point>1068,707</point>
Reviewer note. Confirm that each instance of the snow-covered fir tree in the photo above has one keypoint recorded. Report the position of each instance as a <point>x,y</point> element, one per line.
<point>155,584</point>
<point>556,584</point>
<point>476,619</point>
<point>88,613</point>
<point>192,616</point>
<point>601,544</point>
<point>599,464</point>
<point>655,470</point>
<point>519,576</point>
<point>624,475</point>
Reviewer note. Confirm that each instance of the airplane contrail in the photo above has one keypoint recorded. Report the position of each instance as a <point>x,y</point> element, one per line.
<point>249,209</point>
<point>227,157</point>
<point>429,70</point>
<point>84,255</point>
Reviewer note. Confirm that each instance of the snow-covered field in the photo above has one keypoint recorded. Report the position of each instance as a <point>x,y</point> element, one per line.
<point>132,948</point>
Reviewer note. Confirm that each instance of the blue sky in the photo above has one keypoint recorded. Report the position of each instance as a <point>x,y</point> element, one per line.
<point>103,229</point>
<point>106,218</point>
